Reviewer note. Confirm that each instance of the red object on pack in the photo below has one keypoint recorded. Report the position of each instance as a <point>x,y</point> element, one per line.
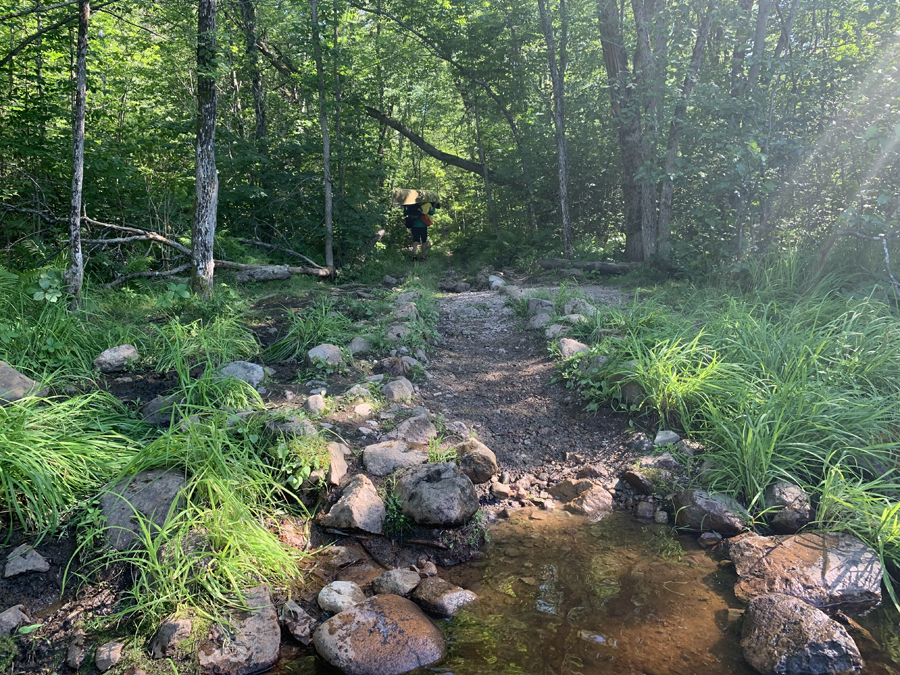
<point>426,220</point>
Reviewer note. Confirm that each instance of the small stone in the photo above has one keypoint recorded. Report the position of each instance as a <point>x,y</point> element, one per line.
<point>396,332</point>
<point>298,622</point>
<point>461,287</point>
<point>12,618</point>
<point>77,651</point>
<point>441,597</point>
<point>337,465</point>
<point>638,481</point>
<point>339,595</point>
<point>398,582</point>
<point>538,306</point>
<point>709,539</point>
<point>666,438</point>
<point>24,559</point>
<point>315,404</point>
<point>363,409</point>
<point>108,655</point>
<point>14,385</point>
<point>555,330</point>
<point>661,517</point>
<point>325,353</point>
<point>244,371</point>
<point>389,280</point>
<point>168,635</point>
<point>417,430</point>
<point>500,491</point>
<point>476,460</point>
<point>383,459</point>
<point>406,312</point>
<point>359,507</point>
<point>116,359</point>
<point>357,391</point>
<point>569,347</point>
<point>538,321</point>
<point>644,511</point>
<point>375,378</point>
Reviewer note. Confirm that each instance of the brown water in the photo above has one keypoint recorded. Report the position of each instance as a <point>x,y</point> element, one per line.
<point>564,596</point>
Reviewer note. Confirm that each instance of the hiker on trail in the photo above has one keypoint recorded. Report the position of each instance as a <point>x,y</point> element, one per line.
<point>419,229</point>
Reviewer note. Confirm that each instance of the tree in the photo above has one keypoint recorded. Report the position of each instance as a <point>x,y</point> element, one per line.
<point>326,140</point>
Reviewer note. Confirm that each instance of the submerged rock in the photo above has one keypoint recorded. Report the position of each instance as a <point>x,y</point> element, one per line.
<point>441,597</point>
<point>385,635</point>
<point>298,622</point>
<point>782,634</point>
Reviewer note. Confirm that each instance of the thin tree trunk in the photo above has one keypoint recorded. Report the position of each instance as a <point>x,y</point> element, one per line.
<point>248,15</point>
<point>75,273</point>
<point>646,72</point>
<point>483,159</point>
<point>206,193</point>
<point>338,140</point>
<point>326,141</point>
<point>557,79</point>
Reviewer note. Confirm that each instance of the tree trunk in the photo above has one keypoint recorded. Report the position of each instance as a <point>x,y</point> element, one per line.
<point>248,16</point>
<point>206,193</point>
<point>338,139</point>
<point>483,159</point>
<point>326,141</point>
<point>75,273</point>
<point>557,79</point>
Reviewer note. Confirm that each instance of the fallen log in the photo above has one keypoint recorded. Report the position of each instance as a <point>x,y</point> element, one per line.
<point>591,266</point>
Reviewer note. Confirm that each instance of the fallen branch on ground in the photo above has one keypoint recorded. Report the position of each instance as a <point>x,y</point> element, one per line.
<point>262,244</point>
<point>593,266</point>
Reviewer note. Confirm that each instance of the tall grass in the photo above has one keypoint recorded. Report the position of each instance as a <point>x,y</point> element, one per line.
<point>217,341</point>
<point>309,327</point>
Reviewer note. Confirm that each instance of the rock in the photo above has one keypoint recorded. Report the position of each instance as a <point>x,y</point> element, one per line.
<point>250,644</point>
<point>325,353</point>
<point>383,459</point>
<point>476,460</point>
<point>579,306</point>
<point>263,273</point>
<point>245,371</point>
<point>567,490</point>
<point>161,411</point>
<point>360,345</point>
<point>315,404</point>
<point>405,312</point>
<point>538,321</point>
<point>417,430</point>
<point>437,494</point>
<point>375,378</point>
<point>398,582</point>
<point>291,426</point>
<point>441,597</point>
<point>404,298</point>
<point>570,273</point>
<point>536,306</point>
<point>116,359</point>
<point>77,651</point>
<point>824,569</point>
<point>553,331</point>
<point>169,634</point>
<point>595,502</point>
<point>574,318</point>
<point>400,389</point>
<point>709,539</point>
<point>359,508</point>
<point>339,595</point>
<point>791,506</point>
<point>666,438</point>
<point>363,409</point>
<point>782,634</point>
<point>569,347</point>
<point>150,493</point>
<point>298,622</point>
<point>500,491</point>
<point>461,287</point>
<point>397,332</point>
<point>663,462</point>
<point>389,280</point>
<point>337,463</point>
<point>357,391</point>
<point>496,283</point>
<point>638,481</point>
<point>24,559</point>
<point>12,618</point>
<point>108,655</point>
<point>644,511</point>
<point>14,385</point>
<point>699,510</point>
<point>661,517</point>
<point>409,363</point>
<point>385,635</point>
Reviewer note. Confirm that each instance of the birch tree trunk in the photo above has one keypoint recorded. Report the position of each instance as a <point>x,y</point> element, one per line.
<point>75,273</point>
<point>326,141</point>
<point>557,79</point>
<point>207,181</point>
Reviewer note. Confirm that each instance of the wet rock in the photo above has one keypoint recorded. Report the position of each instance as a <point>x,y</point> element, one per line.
<point>709,539</point>
<point>569,347</point>
<point>337,464</point>
<point>830,569</point>
<point>397,332</point>
<point>108,655</point>
<point>791,506</point>
<point>383,459</point>
<point>385,635</point>
<point>538,306</point>
<point>360,345</point>
<point>405,312</point>
<point>169,634</point>
<point>538,321</point>
<point>24,559</point>
<point>666,437</point>
<point>77,651</point>
<point>437,494</point>
<point>661,517</point>
<point>116,359</point>
<point>150,494</point>
<point>244,371</point>
<point>398,582</point>
<point>595,502</point>
<point>325,353</point>
<point>700,510</point>
<point>476,460</point>
<point>298,622</point>
<point>567,490</point>
<point>579,306</point>
<point>638,481</point>
<point>362,573</point>
<point>291,426</point>
<point>416,430</point>
<point>441,597</point>
<point>782,634</point>
<point>644,511</point>
<point>14,385</point>
<point>555,330</point>
<point>12,618</point>
<point>400,389</point>
<point>250,643</point>
<point>359,508</point>
<point>161,411</point>
<point>339,595</point>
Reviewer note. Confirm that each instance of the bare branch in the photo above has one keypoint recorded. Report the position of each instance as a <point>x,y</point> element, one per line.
<point>262,244</point>
<point>35,10</point>
<point>148,234</point>
<point>148,275</point>
<point>32,212</point>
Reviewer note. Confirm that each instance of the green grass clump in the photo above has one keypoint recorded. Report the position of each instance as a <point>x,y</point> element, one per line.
<point>53,454</point>
<point>218,341</point>
<point>310,327</point>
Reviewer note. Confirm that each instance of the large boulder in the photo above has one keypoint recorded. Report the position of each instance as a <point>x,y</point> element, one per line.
<point>790,505</point>
<point>251,373</point>
<point>476,460</point>
<point>150,494</point>
<point>824,569</point>
<point>383,459</point>
<point>385,635</point>
<point>325,353</point>
<point>14,385</point>
<point>441,597</point>
<point>249,643</point>
<point>437,494</point>
<point>782,634</point>
<point>398,390</point>
<point>339,595</point>
<point>359,508</point>
<point>116,359</point>
<point>699,510</point>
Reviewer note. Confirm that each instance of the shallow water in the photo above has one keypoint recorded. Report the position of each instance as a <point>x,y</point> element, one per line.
<point>560,595</point>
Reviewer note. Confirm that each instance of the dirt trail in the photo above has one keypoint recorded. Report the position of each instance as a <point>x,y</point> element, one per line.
<point>497,379</point>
